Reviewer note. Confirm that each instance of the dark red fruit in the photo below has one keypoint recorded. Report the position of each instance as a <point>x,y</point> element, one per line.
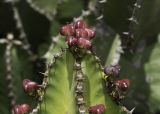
<point>67,30</point>
<point>84,43</point>
<point>21,109</point>
<point>71,41</point>
<point>30,86</point>
<point>81,33</point>
<point>91,33</point>
<point>80,24</point>
<point>112,70</point>
<point>85,33</point>
<point>123,85</point>
<point>97,109</point>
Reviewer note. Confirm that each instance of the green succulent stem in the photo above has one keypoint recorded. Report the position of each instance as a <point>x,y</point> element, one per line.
<point>79,89</point>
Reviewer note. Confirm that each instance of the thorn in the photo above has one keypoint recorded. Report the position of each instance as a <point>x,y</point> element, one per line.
<point>56,55</point>
<point>120,50</point>
<point>77,19</point>
<point>131,111</point>
<point>64,49</point>
<point>8,1</point>
<point>3,41</point>
<point>127,111</point>
<point>89,52</point>
<point>85,12</point>
<point>137,5</point>
<point>125,33</point>
<point>131,36</point>
<point>55,39</point>
<point>43,73</point>
<point>100,17</point>
<point>132,19</point>
<point>102,1</point>
<point>17,42</point>
<point>10,36</point>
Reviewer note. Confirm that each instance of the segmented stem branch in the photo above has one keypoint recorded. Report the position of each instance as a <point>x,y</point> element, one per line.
<point>97,59</point>
<point>133,18</point>
<point>92,8</point>
<point>84,13</point>
<point>35,110</point>
<point>55,40</point>
<point>99,7</point>
<point>129,35</point>
<point>19,26</point>
<point>79,89</point>
<point>45,82</point>
<point>10,42</point>
<point>48,15</point>
<point>9,76</point>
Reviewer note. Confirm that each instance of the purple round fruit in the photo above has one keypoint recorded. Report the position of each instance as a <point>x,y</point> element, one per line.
<point>112,70</point>
<point>30,86</point>
<point>123,85</point>
<point>21,109</point>
<point>97,109</point>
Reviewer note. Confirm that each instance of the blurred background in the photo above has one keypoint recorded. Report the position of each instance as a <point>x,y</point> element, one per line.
<point>37,22</point>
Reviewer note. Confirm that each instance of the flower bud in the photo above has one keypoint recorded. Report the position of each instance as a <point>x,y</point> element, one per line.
<point>97,109</point>
<point>81,33</point>
<point>30,86</point>
<point>80,24</point>
<point>123,85</point>
<point>85,33</point>
<point>21,109</point>
<point>112,70</point>
<point>67,30</point>
<point>91,33</point>
<point>84,43</point>
<point>71,41</point>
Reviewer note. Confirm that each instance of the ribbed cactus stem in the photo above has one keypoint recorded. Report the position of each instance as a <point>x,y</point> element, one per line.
<point>129,35</point>
<point>41,11</point>
<point>46,78</point>
<point>84,13</point>
<point>50,16</point>
<point>133,18</point>
<point>19,26</point>
<point>35,110</point>
<point>99,9</point>
<point>79,89</point>
<point>97,59</point>
<point>49,66</point>
<point>9,76</point>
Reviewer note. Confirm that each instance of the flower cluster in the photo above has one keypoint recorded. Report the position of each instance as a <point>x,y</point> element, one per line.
<point>21,109</point>
<point>78,34</point>
<point>113,71</point>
